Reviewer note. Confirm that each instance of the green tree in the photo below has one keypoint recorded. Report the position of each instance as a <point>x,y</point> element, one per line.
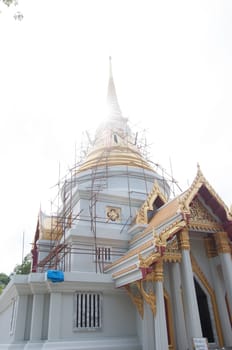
<point>24,268</point>
<point>4,280</point>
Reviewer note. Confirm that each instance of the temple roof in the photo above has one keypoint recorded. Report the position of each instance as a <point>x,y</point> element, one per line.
<point>182,205</point>
<point>199,208</point>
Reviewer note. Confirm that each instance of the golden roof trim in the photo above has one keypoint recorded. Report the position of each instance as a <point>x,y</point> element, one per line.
<point>114,155</point>
<point>141,217</point>
<point>160,241</point>
<point>131,253</point>
<point>124,271</point>
<point>172,257</point>
<point>207,227</point>
<point>186,199</point>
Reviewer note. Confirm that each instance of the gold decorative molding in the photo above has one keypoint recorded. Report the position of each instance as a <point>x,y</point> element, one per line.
<point>201,219</point>
<point>183,239</point>
<point>199,273</point>
<point>172,229</point>
<point>149,296</point>
<point>160,243</point>
<point>169,230</point>
<point>172,252</point>
<point>222,242</point>
<point>114,155</point>
<point>172,257</point>
<point>199,226</point>
<point>148,260</point>
<point>141,217</point>
<point>159,271</point>
<point>136,298</point>
<point>123,271</point>
<point>199,213</point>
<point>210,247</point>
<point>130,254</point>
<point>190,194</point>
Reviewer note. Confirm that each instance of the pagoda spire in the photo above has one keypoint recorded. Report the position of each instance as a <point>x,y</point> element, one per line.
<point>114,110</point>
<point>113,144</point>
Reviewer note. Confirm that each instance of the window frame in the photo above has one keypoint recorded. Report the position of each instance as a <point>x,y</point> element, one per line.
<point>88,320</point>
<point>105,255</point>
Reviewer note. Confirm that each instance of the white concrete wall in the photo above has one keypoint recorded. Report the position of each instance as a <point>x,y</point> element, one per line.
<point>118,318</point>
<point>5,324</point>
<point>199,253</point>
<point>58,307</point>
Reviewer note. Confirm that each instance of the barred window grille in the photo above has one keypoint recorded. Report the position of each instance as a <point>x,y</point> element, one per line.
<point>104,254</point>
<point>88,310</point>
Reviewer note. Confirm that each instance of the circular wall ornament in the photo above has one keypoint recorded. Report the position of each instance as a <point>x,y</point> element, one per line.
<point>113,214</point>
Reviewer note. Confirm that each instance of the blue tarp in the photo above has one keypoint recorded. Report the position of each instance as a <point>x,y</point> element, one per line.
<point>55,275</point>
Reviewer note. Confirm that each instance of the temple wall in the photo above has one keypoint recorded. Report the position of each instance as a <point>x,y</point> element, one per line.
<point>118,318</point>
<point>6,323</point>
<point>118,314</point>
<point>199,253</point>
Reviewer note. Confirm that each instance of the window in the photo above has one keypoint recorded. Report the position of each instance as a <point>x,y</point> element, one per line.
<point>103,254</point>
<point>88,311</point>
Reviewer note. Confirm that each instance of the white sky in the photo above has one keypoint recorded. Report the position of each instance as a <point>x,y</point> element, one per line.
<point>173,73</point>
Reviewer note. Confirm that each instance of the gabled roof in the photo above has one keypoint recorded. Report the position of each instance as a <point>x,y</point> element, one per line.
<point>201,187</point>
<point>181,204</point>
<point>167,221</point>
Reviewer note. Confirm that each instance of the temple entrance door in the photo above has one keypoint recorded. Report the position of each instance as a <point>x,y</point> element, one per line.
<point>205,315</point>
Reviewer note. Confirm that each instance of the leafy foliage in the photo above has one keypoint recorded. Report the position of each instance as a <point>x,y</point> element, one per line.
<point>24,268</point>
<point>4,280</point>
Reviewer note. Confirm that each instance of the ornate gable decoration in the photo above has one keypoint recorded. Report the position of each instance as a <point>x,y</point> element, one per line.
<point>201,218</point>
<point>142,217</point>
<point>186,199</point>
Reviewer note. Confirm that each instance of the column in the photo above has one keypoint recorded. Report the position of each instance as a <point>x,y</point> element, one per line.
<point>224,252</point>
<point>20,320</point>
<point>54,316</point>
<point>219,293</point>
<point>191,311</point>
<point>178,312</point>
<point>160,325</point>
<point>148,328</point>
<point>37,317</point>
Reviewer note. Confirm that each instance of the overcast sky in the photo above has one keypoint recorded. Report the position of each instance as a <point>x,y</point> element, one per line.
<point>172,68</point>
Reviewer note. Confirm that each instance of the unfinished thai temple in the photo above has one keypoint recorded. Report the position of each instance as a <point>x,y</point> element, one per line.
<point>137,268</point>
